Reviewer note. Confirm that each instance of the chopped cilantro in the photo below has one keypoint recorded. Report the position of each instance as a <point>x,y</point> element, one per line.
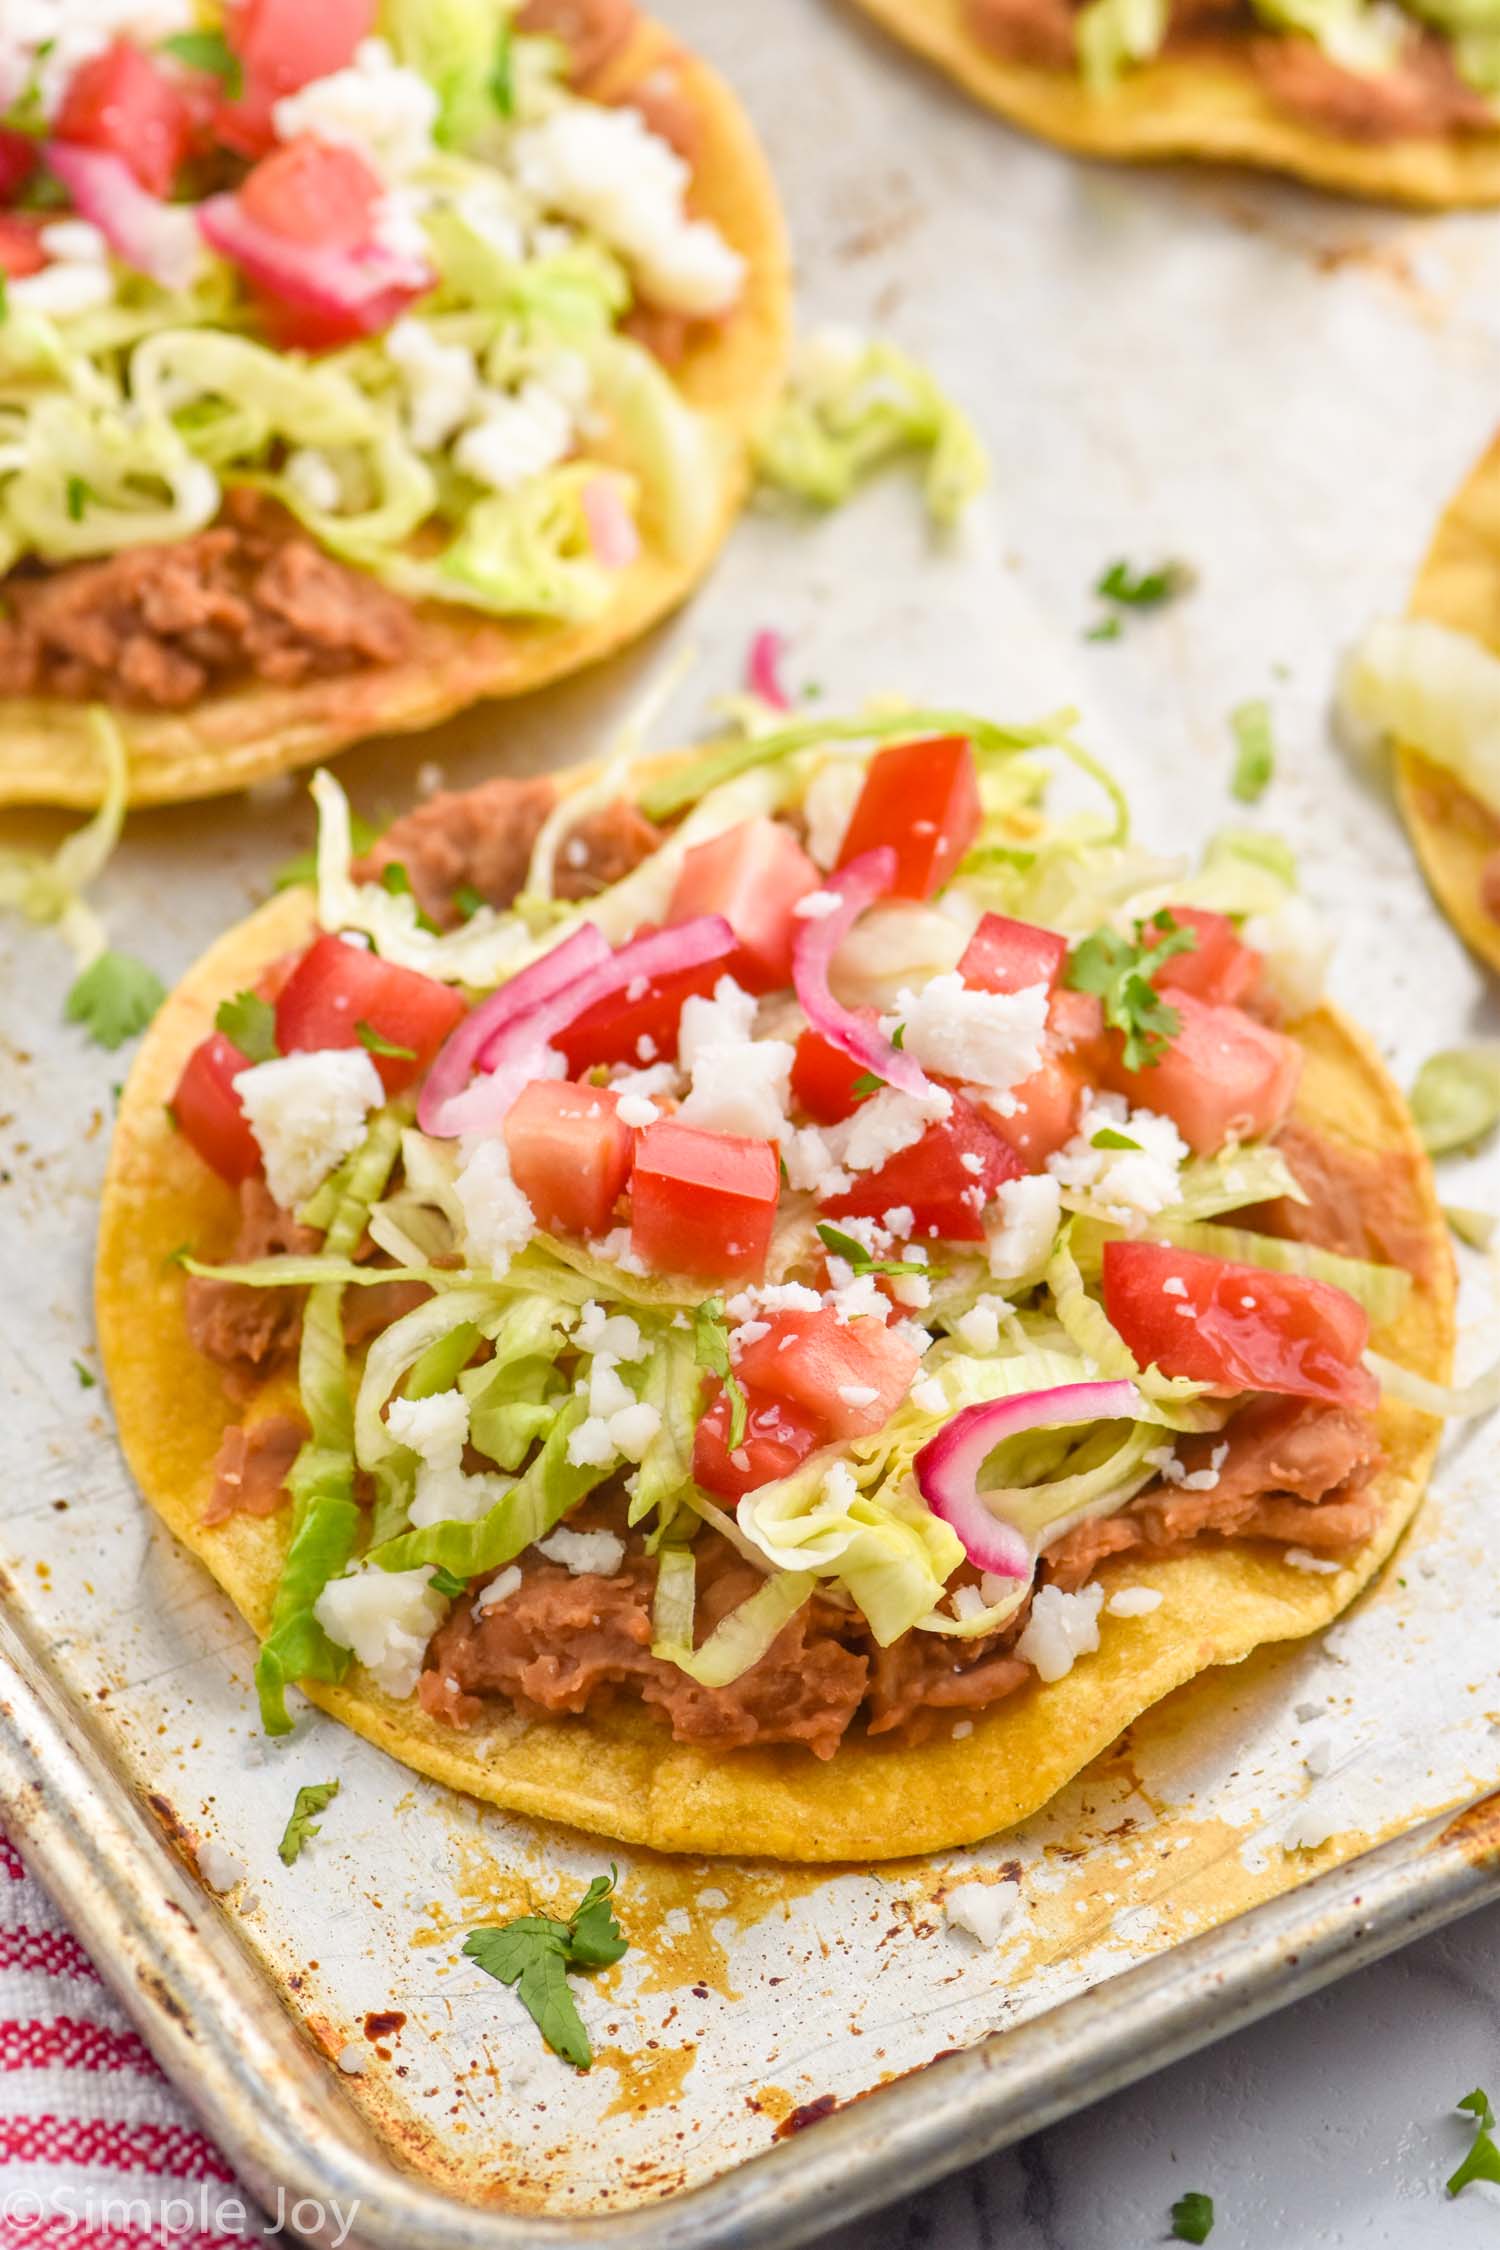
<point>311,1798</point>
<point>1255,751</point>
<point>303,868</point>
<point>444,1582</point>
<point>866,1083</point>
<point>1106,629</point>
<point>854,1253</point>
<point>114,998</point>
<point>1483,2159</point>
<point>711,1350</point>
<point>468,901</point>
<point>4,297</point>
<point>378,1044</point>
<point>210,52</point>
<point>79,497</point>
<point>1107,1137</point>
<point>1145,589</point>
<point>249,1023</point>
<point>898,1037</point>
<point>1118,969</point>
<point>86,1378</point>
<point>534,1954</point>
<point>1193,2217</point>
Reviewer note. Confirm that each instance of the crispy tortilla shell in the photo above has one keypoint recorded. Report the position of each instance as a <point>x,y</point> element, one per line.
<point>1201,102</point>
<point>1458,586</point>
<point>235,737</point>
<point>620,1774</point>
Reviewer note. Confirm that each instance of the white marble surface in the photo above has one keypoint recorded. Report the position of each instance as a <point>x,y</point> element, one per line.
<point>1329,2126</point>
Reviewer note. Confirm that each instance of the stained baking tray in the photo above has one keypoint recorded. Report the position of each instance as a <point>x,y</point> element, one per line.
<point>1277,390</point>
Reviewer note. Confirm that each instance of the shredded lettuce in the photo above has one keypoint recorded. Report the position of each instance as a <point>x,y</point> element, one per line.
<point>325,1515</point>
<point>455,46</point>
<point>891,1552</point>
<point>49,887</point>
<point>678,454</point>
<point>513,1396</point>
<point>674,1601</point>
<point>1357,36</point>
<point>550,1487</point>
<point>1455,1099</point>
<point>1434,691</point>
<point>1114,34</point>
<point>743,1637</point>
<point>850,406</point>
<point>674,1386</point>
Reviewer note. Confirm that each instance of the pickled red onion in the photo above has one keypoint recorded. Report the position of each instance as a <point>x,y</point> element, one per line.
<point>860,884</point>
<point>763,670</point>
<point>457,1056</point>
<point>612,532</point>
<point>353,292</point>
<point>516,1047</point>
<point>156,238</point>
<point>947,1468</point>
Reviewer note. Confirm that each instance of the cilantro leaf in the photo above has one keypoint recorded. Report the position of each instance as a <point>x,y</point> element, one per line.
<point>210,52</point>
<point>866,1083</point>
<point>1107,629</point>
<point>444,1582</point>
<point>468,902</point>
<point>79,497</point>
<point>378,1044</point>
<point>1193,2217</point>
<point>1255,751</point>
<point>1107,1137</point>
<point>311,1798</point>
<point>114,998</point>
<point>711,1350</point>
<point>854,1253</point>
<point>249,1023</point>
<point>534,1953</point>
<point>1144,589</point>
<point>1483,2159</point>
<point>1119,970</point>
<point>86,1378</point>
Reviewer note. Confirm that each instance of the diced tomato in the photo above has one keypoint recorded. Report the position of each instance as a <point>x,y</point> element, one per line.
<point>945,1195</point>
<point>20,251</point>
<point>826,1365</point>
<point>703,1203</point>
<point>922,798</point>
<point>753,875</point>
<point>640,1030</point>
<point>777,1436</point>
<point>569,1154</point>
<point>337,987</point>
<point>1220,968</point>
<point>1237,1328</point>
<point>281,45</point>
<point>824,1077</point>
<point>313,193</point>
<point>1223,1076</point>
<point>1047,1103</point>
<point>127,103</point>
<point>207,1109</point>
<point>1007,956</point>
<point>19,153</point>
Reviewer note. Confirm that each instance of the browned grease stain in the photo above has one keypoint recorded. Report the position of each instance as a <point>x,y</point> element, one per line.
<point>805,2114</point>
<point>1476,1831</point>
<point>660,1903</point>
<point>650,2078</point>
<point>773,2102</point>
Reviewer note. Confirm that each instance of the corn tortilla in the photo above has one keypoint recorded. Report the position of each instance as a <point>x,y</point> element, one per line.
<point>48,754</point>
<point>1202,103</point>
<point>1458,586</point>
<point>620,1774</point>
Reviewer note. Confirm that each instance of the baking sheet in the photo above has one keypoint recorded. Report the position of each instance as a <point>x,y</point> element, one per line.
<point>1280,391</point>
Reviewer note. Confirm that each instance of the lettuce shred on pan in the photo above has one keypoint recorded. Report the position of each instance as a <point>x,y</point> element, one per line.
<point>850,406</point>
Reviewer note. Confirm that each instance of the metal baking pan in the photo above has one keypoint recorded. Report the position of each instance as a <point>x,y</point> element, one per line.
<point>1163,366</point>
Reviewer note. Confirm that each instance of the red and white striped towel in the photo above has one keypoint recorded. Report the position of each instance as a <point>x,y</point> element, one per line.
<point>96,2150</point>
